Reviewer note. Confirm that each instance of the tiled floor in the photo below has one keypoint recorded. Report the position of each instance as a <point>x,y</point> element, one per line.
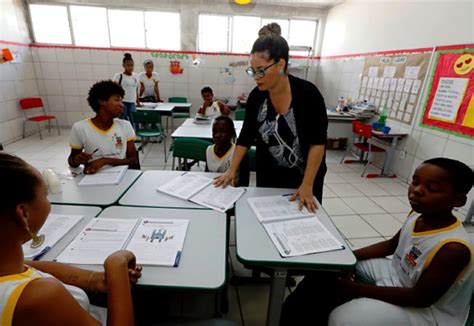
<point>364,210</point>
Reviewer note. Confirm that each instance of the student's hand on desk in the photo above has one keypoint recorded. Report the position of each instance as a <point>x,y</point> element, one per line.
<point>228,178</point>
<point>82,158</point>
<point>119,260</point>
<point>305,194</point>
<point>94,166</point>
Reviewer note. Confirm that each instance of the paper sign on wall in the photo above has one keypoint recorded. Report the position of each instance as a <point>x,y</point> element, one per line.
<point>448,98</point>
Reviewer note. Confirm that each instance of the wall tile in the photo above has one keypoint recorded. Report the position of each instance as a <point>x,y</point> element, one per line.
<point>47,55</point>
<point>53,87</point>
<point>99,57</point>
<point>70,88</point>
<point>433,146</point>
<point>65,55</point>
<point>67,71</point>
<point>82,56</point>
<point>50,70</point>
<point>84,71</point>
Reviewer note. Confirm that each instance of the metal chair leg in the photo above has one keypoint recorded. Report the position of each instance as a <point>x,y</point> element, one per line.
<point>366,165</point>
<point>39,130</point>
<point>164,145</point>
<point>24,128</point>
<point>57,125</point>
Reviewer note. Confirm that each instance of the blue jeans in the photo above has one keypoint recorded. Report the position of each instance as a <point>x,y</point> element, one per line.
<point>128,108</point>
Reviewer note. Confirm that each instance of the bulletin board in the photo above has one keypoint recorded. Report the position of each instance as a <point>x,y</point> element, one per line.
<point>394,81</point>
<point>449,103</point>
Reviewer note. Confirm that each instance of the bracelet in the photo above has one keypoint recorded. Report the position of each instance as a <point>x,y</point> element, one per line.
<point>89,283</point>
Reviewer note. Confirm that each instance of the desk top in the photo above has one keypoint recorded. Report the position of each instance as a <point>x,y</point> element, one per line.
<point>76,210</point>
<point>197,131</point>
<point>92,195</point>
<point>380,134</point>
<point>203,261</point>
<point>190,123</point>
<point>163,106</point>
<point>254,246</point>
<point>143,192</point>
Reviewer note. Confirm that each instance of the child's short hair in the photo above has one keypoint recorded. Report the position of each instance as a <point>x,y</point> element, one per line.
<point>229,123</point>
<point>206,89</point>
<point>462,175</point>
<point>103,90</point>
<point>19,182</point>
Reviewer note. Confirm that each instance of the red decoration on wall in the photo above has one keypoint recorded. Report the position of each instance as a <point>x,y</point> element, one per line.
<point>175,67</point>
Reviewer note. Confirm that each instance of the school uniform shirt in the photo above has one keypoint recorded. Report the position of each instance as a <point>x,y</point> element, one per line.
<point>216,163</point>
<point>149,83</point>
<point>283,145</point>
<point>12,286</point>
<point>213,110</point>
<point>130,85</point>
<point>110,143</point>
<point>414,254</point>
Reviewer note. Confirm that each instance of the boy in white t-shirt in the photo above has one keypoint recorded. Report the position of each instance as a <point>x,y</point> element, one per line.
<point>211,108</point>
<point>103,139</point>
<point>130,84</point>
<point>149,79</point>
<point>429,280</point>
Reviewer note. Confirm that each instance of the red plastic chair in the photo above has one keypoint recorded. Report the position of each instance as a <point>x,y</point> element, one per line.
<point>363,132</point>
<point>36,103</point>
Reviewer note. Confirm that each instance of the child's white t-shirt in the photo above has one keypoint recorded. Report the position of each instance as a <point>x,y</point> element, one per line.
<point>218,164</point>
<point>149,83</point>
<point>213,110</point>
<point>130,85</point>
<point>110,143</point>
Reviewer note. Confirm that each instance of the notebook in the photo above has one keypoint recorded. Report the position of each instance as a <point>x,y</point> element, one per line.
<point>108,175</point>
<point>54,229</point>
<point>293,232</point>
<point>156,242</point>
<point>200,190</point>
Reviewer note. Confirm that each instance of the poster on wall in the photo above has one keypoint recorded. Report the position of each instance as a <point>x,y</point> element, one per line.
<point>449,103</point>
<point>395,80</point>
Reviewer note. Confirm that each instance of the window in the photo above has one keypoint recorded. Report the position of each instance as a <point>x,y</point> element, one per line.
<point>162,30</point>
<point>213,33</point>
<point>218,33</point>
<point>244,33</point>
<point>126,28</point>
<point>89,25</point>
<point>47,29</point>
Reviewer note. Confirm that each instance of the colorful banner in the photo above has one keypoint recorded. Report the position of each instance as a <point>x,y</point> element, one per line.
<point>449,104</point>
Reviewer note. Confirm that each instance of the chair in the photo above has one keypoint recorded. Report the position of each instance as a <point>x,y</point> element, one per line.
<point>36,103</point>
<point>179,113</point>
<point>148,124</point>
<point>189,148</point>
<point>252,154</point>
<point>239,114</point>
<point>364,133</point>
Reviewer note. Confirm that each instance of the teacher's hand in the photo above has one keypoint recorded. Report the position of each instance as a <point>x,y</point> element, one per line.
<point>228,178</point>
<point>305,193</point>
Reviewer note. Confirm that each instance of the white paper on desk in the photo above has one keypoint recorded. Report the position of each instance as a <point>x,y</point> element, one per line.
<point>273,208</point>
<point>54,229</point>
<point>100,238</point>
<point>108,175</point>
<point>185,185</point>
<point>301,236</point>
<point>218,198</point>
<point>149,104</point>
<point>158,242</point>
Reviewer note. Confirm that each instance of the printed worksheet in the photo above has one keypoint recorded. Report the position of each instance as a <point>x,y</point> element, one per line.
<point>272,208</point>
<point>108,175</point>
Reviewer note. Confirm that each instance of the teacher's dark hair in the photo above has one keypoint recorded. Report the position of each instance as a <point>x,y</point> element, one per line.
<point>273,46</point>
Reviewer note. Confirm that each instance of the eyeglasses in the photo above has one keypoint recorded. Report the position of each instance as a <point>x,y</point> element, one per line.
<point>260,73</point>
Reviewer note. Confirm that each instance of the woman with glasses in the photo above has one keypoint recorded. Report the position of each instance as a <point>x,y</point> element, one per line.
<point>286,119</point>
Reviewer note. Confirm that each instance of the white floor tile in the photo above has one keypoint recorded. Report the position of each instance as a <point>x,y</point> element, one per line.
<point>344,190</point>
<point>353,177</point>
<point>385,224</point>
<point>363,242</point>
<point>392,204</point>
<point>333,178</point>
<point>395,189</point>
<point>370,189</point>
<point>335,206</point>
<point>401,217</point>
<point>362,205</point>
<point>328,193</point>
<point>337,167</point>
<point>353,226</point>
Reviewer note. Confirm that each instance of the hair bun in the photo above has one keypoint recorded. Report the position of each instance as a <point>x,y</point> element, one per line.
<point>270,29</point>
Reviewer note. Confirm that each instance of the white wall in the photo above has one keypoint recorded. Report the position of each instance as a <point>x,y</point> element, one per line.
<point>16,79</point>
<point>372,26</point>
<point>358,26</point>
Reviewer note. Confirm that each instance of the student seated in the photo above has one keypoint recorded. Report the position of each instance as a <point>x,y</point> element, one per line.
<point>211,108</point>
<point>50,293</point>
<point>103,139</point>
<point>429,280</point>
<point>219,155</point>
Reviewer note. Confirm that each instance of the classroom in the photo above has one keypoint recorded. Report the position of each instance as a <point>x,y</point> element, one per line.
<point>237,162</point>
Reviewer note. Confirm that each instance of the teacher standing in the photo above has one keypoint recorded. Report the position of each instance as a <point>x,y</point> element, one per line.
<point>287,121</point>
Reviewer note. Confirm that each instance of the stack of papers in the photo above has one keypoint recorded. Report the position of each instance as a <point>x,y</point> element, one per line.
<point>202,119</point>
<point>293,232</point>
<point>200,190</point>
<point>108,175</point>
<point>153,241</point>
<point>54,229</point>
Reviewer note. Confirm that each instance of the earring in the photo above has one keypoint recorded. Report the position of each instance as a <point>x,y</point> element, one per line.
<point>281,73</point>
<point>36,240</point>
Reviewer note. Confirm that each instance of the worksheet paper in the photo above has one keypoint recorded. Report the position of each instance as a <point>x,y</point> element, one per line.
<point>153,241</point>
<point>108,175</point>
<point>301,237</point>
<point>200,190</point>
<point>54,229</point>
<point>274,208</point>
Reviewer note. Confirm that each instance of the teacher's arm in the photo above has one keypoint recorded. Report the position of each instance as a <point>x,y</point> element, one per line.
<point>305,190</point>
